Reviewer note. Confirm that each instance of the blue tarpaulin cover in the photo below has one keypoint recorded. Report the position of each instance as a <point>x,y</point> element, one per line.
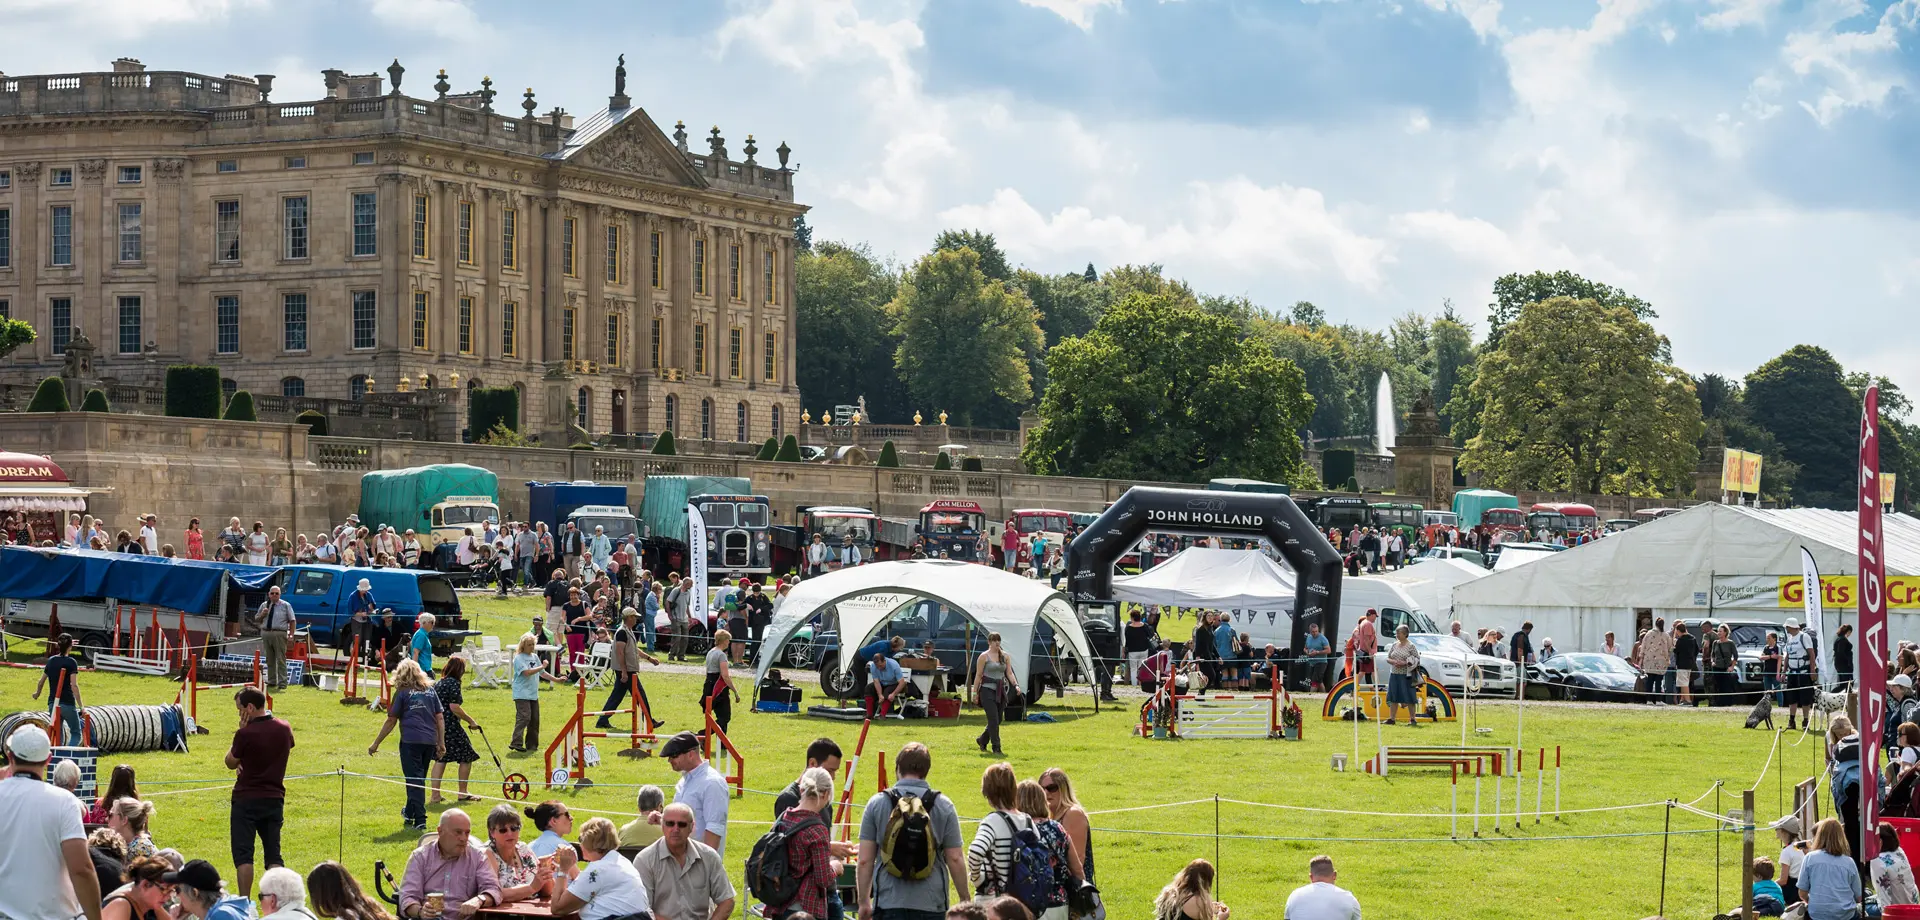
<point>78,574</point>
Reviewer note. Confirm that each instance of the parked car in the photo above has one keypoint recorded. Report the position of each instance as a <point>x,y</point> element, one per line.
<point>1456,552</point>
<point>1451,662</point>
<point>1584,676</point>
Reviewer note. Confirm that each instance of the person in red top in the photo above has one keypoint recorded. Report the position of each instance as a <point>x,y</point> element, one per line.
<point>259,752</point>
<point>1365,641</point>
<point>810,849</point>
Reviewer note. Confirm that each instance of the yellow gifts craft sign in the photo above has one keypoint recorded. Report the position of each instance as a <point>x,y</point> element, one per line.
<point>1838,591</point>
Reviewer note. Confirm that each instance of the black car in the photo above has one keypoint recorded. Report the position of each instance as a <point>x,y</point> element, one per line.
<point>1590,676</point>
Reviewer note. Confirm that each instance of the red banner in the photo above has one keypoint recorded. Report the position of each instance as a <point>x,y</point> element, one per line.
<point>1872,668</point>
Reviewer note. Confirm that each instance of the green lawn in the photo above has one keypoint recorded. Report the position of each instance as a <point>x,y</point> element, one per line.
<point>1613,756</point>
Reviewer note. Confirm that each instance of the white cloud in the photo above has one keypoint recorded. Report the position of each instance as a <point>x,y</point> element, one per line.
<point>1078,12</point>
<point>1232,226</point>
<point>1854,69</point>
<point>1733,14</point>
<point>453,20</point>
<point>122,18</point>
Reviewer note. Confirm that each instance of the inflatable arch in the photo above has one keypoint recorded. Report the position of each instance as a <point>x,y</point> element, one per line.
<point>1205,512</point>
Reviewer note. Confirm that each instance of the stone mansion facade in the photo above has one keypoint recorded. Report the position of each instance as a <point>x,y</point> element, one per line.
<point>371,241</point>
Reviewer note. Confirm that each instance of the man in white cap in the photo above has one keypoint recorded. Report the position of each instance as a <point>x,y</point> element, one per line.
<point>44,851</point>
<point>1798,668</point>
<point>1902,707</point>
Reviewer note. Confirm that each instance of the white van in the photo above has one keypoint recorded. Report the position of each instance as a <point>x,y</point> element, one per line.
<point>1357,596</point>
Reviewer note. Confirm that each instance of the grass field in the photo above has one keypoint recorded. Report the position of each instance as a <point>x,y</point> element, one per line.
<point>1399,866</point>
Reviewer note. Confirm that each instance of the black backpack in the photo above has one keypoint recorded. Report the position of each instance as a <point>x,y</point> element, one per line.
<point>770,872</point>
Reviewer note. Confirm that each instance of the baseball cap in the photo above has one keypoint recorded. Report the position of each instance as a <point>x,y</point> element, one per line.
<point>198,874</point>
<point>29,744</point>
<point>680,744</point>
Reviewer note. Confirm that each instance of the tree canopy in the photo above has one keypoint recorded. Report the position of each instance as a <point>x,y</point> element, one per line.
<point>1578,397</point>
<point>964,337</point>
<point>1161,389</point>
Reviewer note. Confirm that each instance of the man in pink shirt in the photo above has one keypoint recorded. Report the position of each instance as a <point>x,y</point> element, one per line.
<point>1365,641</point>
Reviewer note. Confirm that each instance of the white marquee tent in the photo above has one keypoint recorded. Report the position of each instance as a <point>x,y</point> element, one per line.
<point>1710,560</point>
<point>866,596</point>
<point>1215,579</point>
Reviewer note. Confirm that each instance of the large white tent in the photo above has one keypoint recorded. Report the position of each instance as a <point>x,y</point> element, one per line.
<point>866,596</point>
<point>1215,579</point>
<point>1711,560</point>
<point>1431,583</point>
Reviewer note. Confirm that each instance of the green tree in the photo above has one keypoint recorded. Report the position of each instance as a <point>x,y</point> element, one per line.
<point>95,401</point>
<point>1578,398</point>
<point>1514,291</point>
<point>1801,397</point>
<point>193,391</point>
<point>1453,355</point>
<point>663,445</point>
<point>768,448</point>
<point>789,451</point>
<point>841,296</point>
<point>889,455</point>
<point>993,262</point>
<point>1161,389</point>
<point>49,396</point>
<point>14,333</point>
<point>964,338</point>
<point>240,408</point>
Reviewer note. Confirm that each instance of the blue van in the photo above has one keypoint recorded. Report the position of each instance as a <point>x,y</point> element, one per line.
<point>319,595</point>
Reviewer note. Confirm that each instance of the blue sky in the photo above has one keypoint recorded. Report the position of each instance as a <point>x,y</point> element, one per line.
<point>1745,165</point>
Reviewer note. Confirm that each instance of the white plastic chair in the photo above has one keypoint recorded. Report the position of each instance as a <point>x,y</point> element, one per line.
<point>491,665</point>
<point>596,664</point>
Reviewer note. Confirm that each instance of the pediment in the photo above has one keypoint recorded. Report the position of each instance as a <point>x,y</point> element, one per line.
<point>636,147</point>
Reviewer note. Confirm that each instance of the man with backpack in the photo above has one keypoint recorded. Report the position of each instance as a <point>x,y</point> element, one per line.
<point>910,847</point>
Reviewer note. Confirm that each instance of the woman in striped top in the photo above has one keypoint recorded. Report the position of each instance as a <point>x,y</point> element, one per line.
<point>990,856</point>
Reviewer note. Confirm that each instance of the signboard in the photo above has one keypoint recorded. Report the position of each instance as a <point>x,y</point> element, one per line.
<point>1739,471</point>
<point>1782,592</point>
<point>1872,667</point>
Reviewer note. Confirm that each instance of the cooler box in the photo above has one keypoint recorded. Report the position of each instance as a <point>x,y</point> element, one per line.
<point>946,707</point>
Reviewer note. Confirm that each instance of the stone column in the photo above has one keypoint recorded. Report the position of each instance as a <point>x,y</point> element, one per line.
<point>393,321</point>
<point>169,249</point>
<point>28,219</point>
<point>91,228</point>
<point>446,260</point>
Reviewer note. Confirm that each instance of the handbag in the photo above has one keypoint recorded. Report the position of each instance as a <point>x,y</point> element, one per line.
<point>1083,903</point>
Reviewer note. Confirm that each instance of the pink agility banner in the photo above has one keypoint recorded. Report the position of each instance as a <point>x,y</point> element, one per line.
<point>1872,668</point>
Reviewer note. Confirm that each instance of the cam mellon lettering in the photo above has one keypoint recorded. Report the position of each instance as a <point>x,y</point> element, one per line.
<point>1206,518</point>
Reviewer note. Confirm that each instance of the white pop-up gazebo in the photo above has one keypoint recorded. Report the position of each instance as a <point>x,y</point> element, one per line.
<point>1217,579</point>
<point>866,596</point>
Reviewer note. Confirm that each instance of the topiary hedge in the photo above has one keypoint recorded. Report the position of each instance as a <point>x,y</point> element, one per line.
<point>789,451</point>
<point>491,406</point>
<point>193,391</point>
<point>50,396</point>
<point>240,408</point>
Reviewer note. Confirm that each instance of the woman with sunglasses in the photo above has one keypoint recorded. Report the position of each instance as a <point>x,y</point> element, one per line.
<point>144,896</point>
<point>555,823</point>
<point>1064,808</point>
<point>523,876</point>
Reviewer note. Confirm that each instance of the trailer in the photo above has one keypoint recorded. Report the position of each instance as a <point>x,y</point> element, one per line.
<point>110,601</point>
